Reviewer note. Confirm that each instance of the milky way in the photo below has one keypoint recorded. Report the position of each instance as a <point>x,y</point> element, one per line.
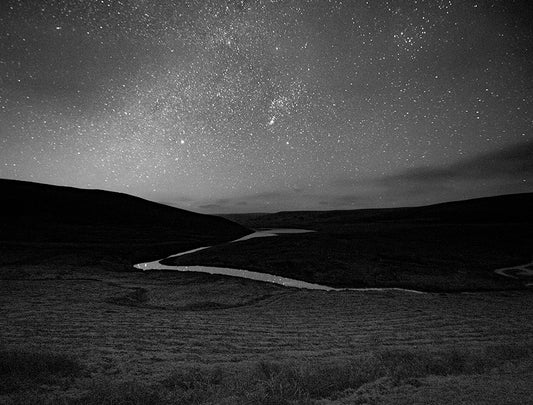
<point>240,106</point>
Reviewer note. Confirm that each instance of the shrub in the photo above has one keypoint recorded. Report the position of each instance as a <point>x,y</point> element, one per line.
<point>127,393</point>
<point>19,369</point>
<point>264,382</point>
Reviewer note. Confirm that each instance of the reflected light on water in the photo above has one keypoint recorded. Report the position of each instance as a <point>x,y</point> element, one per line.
<point>252,275</point>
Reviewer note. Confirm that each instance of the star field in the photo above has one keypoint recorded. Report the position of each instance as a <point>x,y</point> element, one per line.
<point>242,106</point>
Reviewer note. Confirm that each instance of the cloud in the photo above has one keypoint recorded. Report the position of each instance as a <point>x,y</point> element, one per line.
<point>514,162</point>
<point>344,200</point>
<point>509,170</point>
<point>212,207</point>
<point>264,201</point>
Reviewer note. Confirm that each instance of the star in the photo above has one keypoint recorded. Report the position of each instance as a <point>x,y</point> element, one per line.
<point>212,102</point>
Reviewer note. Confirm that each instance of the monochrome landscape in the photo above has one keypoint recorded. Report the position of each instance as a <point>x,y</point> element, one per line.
<point>292,202</point>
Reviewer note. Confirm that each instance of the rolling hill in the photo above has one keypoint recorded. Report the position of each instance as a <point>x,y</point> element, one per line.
<point>511,208</point>
<point>42,217</point>
<point>454,246</point>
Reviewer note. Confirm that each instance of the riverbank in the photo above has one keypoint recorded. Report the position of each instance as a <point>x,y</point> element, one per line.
<point>427,257</point>
<point>246,274</point>
<point>139,329</point>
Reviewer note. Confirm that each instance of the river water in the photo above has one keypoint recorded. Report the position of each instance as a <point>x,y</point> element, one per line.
<point>252,275</point>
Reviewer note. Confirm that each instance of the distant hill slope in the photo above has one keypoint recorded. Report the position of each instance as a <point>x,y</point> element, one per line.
<point>510,208</point>
<point>47,214</point>
<point>453,246</point>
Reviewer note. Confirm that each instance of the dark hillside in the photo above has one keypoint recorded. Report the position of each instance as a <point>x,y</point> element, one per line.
<point>453,246</point>
<point>512,208</point>
<point>44,216</point>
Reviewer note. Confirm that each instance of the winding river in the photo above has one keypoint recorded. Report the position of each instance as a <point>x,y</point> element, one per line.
<point>252,275</point>
<point>523,271</point>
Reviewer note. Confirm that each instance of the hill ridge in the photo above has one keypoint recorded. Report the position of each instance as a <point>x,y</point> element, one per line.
<point>46,214</point>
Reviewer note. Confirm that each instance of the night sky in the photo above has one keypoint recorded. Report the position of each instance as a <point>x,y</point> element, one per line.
<point>245,106</point>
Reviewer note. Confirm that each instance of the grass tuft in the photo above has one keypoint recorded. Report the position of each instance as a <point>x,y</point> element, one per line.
<point>279,383</point>
<point>20,369</point>
<point>126,393</point>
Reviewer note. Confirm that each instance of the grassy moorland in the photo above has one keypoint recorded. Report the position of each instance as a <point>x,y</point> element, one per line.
<point>189,338</point>
<point>446,247</point>
<point>376,377</point>
<point>77,328</point>
<point>21,370</point>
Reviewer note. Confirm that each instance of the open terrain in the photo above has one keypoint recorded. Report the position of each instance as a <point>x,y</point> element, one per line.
<point>151,337</point>
<point>445,247</point>
<point>78,325</point>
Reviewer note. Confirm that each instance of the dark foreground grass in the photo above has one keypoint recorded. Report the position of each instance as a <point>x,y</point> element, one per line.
<point>271,383</point>
<point>20,370</point>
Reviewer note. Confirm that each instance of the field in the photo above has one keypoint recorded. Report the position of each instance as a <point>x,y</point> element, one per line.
<point>164,337</point>
<point>436,257</point>
<point>80,326</point>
